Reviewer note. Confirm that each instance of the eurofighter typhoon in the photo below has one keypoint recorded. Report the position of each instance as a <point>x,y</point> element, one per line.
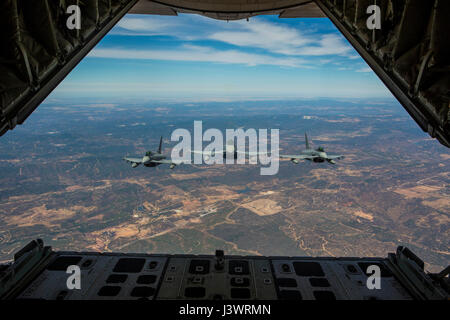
<point>315,155</point>
<point>152,159</point>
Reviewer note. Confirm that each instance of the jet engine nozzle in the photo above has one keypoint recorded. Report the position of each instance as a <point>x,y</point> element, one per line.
<point>134,165</point>
<point>294,161</point>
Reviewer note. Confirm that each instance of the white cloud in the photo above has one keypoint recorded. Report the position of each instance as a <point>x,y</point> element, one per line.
<point>187,27</point>
<point>194,38</point>
<point>364,70</point>
<point>328,45</point>
<point>149,26</point>
<point>198,54</point>
<point>264,35</point>
<point>274,37</point>
<point>282,39</point>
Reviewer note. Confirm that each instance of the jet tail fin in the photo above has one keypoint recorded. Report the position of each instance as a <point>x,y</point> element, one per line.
<point>307,141</point>
<point>160,145</point>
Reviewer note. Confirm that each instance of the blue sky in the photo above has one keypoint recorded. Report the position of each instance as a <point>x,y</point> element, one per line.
<point>191,57</point>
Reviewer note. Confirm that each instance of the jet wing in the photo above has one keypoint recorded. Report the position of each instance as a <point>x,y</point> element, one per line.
<point>207,153</point>
<point>247,153</point>
<point>172,163</point>
<point>335,157</point>
<point>302,157</point>
<point>133,160</point>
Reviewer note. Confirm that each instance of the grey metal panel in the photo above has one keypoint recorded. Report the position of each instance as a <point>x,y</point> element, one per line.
<point>232,6</point>
<point>173,277</point>
<point>308,10</point>
<point>230,10</point>
<point>148,7</point>
<point>51,284</point>
<point>40,273</point>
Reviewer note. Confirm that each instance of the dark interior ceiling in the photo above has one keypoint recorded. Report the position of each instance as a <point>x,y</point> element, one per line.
<point>410,53</point>
<point>231,9</point>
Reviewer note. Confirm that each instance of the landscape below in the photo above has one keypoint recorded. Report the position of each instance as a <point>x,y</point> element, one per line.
<point>62,180</point>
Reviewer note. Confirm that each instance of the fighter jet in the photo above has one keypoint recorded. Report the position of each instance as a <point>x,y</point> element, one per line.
<point>152,159</point>
<point>315,155</point>
<point>229,151</point>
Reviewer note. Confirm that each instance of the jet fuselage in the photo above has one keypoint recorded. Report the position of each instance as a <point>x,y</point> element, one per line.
<point>147,159</point>
<point>320,156</point>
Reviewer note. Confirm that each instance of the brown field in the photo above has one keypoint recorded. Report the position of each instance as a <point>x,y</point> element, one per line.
<point>47,217</point>
<point>362,214</point>
<point>263,207</point>
<point>421,192</point>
